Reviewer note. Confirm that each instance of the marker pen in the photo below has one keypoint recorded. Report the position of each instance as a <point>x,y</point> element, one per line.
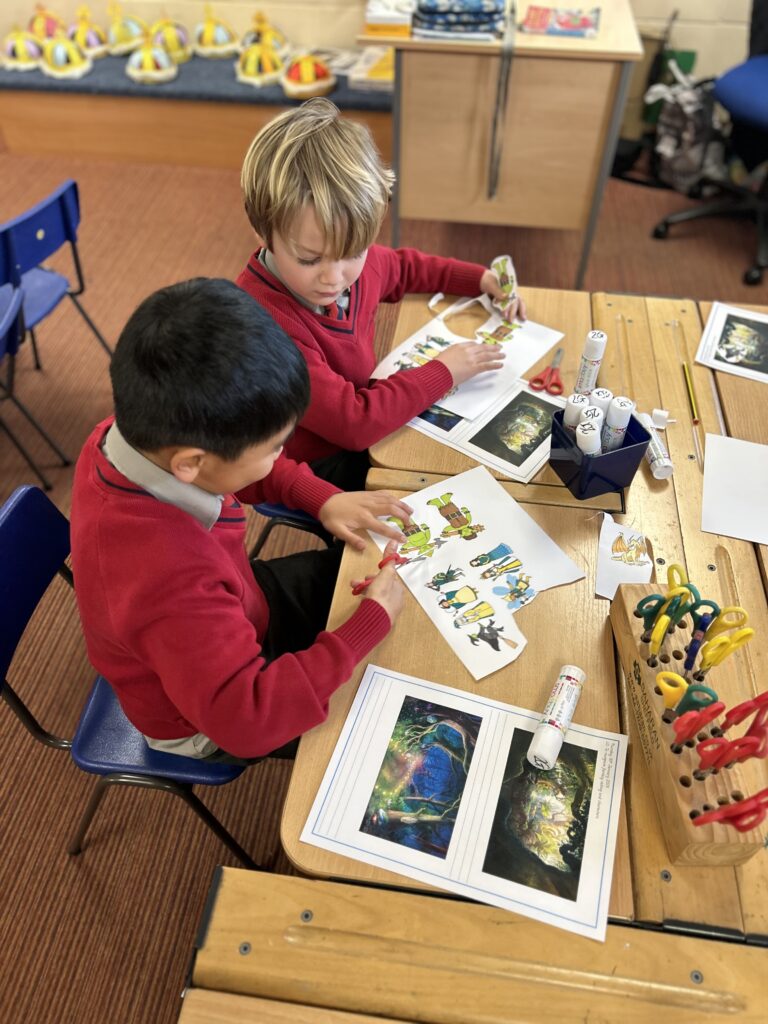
<point>588,439</point>
<point>616,423</point>
<point>572,411</point>
<point>601,397</point>
<point>550,732</point>
<point>591,357</point>
<point>656,454</point>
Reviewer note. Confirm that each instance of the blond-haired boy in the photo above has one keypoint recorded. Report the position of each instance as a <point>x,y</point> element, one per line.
<point>316,194</point>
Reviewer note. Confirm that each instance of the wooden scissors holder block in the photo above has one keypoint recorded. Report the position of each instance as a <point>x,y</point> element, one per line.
<point>678,793</point>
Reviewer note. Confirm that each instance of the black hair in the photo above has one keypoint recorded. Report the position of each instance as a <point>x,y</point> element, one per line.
<point>202,364</point>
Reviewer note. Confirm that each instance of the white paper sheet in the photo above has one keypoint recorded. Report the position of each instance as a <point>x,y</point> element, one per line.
<point>735,341</point>
<point>623,556</point>
<point>735,500</point>
<point>524,344</point>
<point>432,782</point>
<point>475,558</point>
<point>513,436</point>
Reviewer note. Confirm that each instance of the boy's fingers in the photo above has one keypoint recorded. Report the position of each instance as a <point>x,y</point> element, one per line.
<point>387,531</point>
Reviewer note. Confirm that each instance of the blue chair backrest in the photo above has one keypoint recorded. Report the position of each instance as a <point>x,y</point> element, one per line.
<point>33,236</point>
<point>11,321</point>
<point>34,541</point>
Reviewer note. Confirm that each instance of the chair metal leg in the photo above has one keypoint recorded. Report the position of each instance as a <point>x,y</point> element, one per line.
<point>27,457</point>
<point>91,324</point>
<point>35,353</point>
<point>715,209</point>
<point>168,786</point>
<point>65,461</point>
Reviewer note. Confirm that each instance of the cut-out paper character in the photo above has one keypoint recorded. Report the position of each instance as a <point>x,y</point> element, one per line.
<point>422,352</point>
<point>632,552</point>
<point>459,519</point>
<point>417,538</point>
<point>499,335</point>
<point>517,592</point>
<point>500,551</point>
<point>456,599</point>
<point>480,611</point>
<point>494,571</point>
<point>449,575</point>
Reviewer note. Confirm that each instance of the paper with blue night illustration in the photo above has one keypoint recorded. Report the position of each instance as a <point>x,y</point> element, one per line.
<point>433,783</point>
<point>475,559</point>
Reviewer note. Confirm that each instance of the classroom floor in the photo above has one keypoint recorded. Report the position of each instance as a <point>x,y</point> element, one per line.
<point>107,936</point>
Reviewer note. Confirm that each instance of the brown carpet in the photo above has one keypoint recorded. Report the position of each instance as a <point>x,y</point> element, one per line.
<point>106,938</point>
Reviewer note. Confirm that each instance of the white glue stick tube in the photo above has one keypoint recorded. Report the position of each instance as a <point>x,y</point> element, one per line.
<point>616,423</point>
<point>591,357</point>
<point>588,439</point>
<point>602,398</point>
<point>592,414</point>
<point>572,411</point>
<point>550,732</point>
<point>656,454</point>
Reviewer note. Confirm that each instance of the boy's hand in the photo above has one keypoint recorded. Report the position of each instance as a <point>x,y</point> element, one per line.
<point>468,358</point>
<point>386,588</point>
<point>511,306</point>
<point>344,513</point>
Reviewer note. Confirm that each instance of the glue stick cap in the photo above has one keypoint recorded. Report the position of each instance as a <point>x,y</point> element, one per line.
<point>594,345</point>
<point>619,412</point>
<point>601,397</point>
<point>573,408</point>
<point>588,438</point>
<point>592,414</point>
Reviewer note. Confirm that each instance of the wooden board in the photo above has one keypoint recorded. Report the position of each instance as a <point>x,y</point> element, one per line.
<point>204,1006</point>
<point>436,960</point>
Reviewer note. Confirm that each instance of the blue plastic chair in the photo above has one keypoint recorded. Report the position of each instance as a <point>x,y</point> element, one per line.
<point>11,334</point>
<point>34,543</point>
<point>279,515</point>
<point>29,239</point>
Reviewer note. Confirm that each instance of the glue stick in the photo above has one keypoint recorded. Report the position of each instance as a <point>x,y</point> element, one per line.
<point>588,439</point>
<point>656,454</point>
<point>550,732</point>
<point>591,357</point>
<point>616,423</point>
<point>572,411</point>
<point>601,397</point>
<point>592,414</point>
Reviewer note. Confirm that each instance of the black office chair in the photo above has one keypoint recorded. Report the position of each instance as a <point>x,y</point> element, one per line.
<point>743,91</point>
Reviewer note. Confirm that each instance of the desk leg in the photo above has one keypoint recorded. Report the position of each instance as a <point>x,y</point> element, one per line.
<point>394,206</point>
<point>609,150</point>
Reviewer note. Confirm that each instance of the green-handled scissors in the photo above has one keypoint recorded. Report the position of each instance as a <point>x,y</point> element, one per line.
<point>648,609</point>
<point>711,608</point>
<point>716,650</point>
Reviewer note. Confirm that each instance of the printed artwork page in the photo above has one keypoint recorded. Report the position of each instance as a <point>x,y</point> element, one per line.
<point>546,840</point>
<point>735,341</point>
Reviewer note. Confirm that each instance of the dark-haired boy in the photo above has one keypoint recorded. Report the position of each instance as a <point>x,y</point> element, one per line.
<point>210,656</point>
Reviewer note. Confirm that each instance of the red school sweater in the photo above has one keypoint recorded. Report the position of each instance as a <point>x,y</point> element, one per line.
<point>347,411</point>
<point>172,614</point>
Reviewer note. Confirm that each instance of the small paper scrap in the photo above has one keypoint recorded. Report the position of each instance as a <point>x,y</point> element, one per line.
<point>623,556</point>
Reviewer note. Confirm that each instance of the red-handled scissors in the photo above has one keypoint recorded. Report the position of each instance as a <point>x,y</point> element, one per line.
<point>362,586</point>
<point>549,380</point>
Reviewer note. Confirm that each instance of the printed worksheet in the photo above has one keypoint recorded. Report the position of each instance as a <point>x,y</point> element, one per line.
<point>474,559</point>
<point>433,783</point>
<point>735,341</point>
<point>524,343</point>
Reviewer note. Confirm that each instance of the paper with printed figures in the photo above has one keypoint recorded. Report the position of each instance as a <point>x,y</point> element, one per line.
<point>474,559</point>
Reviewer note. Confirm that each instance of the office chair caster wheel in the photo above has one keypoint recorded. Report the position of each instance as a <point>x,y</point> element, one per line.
<point>753,276</point>
<point>661,230</point>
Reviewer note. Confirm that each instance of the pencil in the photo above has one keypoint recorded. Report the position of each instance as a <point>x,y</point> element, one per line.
<point>691,395</point>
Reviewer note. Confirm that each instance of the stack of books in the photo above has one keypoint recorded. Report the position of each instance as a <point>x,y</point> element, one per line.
<point>374,70</point>
<point>389,17</point>
<point>460,20</point>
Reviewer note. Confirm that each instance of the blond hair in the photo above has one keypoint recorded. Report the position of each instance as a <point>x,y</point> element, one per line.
<point>311,155</point>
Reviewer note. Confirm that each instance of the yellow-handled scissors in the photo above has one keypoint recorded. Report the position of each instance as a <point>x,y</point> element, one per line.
<point>676,576</point>
<point>732,617</point>
<point>716,650</point>
<point>672,688</point>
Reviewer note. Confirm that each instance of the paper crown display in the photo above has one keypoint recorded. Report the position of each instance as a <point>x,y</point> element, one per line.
<point>307,76</point>
<point>125,33</point>
<point>258,65</point>
<point>173,37</point>
<point>45,24</point>
<point>62,58</point>
<point>214,38</point>
<point>266,34</point>
<point>91,38</point>
<point>150,64</point>
<point>21,51</point>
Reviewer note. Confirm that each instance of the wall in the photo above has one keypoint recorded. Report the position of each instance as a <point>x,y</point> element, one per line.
<point>305,22</point>
<point>718,30</point>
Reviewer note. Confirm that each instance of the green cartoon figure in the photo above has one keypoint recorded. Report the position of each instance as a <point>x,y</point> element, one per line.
<point>418,539</point>
<point>459,519</point>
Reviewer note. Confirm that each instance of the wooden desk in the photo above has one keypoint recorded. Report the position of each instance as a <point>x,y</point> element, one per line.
<point>566,98</point>
<point>640,360</point>
<point>274,949</point>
